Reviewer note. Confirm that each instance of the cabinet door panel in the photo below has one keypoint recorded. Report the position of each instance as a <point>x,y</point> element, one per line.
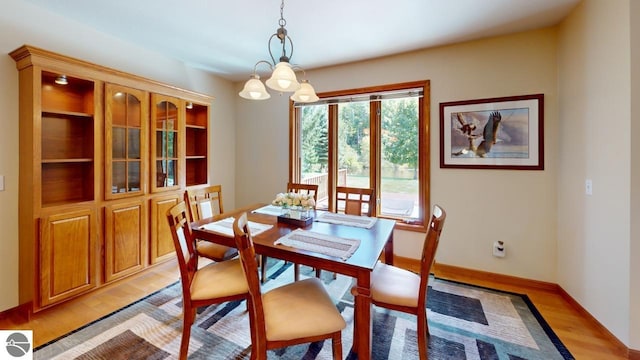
<point>162,247</point>
<point>67,255</point>
<point>125,239</point>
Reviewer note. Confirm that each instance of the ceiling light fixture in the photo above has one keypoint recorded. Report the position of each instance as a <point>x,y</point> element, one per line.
<point>61,80</point>
<point>283,78</point>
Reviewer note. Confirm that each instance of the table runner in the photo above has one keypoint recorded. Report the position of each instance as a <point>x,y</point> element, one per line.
<point>269,210</point>
<point>225,227</point>
<point>349,220</point>
<point>324,244</point>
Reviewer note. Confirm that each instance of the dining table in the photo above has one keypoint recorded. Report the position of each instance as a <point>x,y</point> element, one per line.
<point>375,242</point>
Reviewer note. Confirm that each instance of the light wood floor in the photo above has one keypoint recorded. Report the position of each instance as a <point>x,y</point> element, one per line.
<point>584,339</point>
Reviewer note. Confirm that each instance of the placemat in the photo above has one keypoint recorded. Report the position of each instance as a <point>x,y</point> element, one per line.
<point>324,244</point>
<point>349,220</point>
<point>225,227</point>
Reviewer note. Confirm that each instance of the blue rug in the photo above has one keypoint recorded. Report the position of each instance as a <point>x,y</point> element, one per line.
<point>465,322</point>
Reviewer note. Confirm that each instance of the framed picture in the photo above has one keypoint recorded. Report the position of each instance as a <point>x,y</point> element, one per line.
<point>496,133</point>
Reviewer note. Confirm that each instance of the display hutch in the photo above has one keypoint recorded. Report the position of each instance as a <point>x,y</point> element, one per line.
<point>103,155</point>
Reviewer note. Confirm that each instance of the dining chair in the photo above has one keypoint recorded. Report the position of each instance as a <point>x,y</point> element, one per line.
<point>402,290</point>
<point>203,203</point>
<point>295,313</point>
<point>214,283</point>
<point>355,201</point>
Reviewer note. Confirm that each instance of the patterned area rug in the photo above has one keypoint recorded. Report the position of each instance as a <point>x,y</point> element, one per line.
<point>465,322</point>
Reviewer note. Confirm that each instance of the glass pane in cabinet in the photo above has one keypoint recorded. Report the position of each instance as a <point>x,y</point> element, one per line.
<point>118,109</point>
<point>134,143</point>
<point>161,117</point>
<point>133,111</point>
<point>134,175</point>
<point>172,144</point>
<point>118,149</point>
<point>172,117</point>
<point>161,144</point>
<point>172,173</point>
<point>161,173</point>
<point>118,177</point>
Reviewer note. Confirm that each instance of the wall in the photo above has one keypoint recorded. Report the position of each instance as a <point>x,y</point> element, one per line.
<point>634,281</point>
<point>22,23</point>
<point>517,207</point>
<point>594,231</point>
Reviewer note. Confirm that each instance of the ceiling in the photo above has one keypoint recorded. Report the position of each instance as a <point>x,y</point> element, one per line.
<point>227,38</point>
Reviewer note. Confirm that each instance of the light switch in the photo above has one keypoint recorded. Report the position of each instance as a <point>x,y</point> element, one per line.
<point>1,182</point>
<point>588,187</point>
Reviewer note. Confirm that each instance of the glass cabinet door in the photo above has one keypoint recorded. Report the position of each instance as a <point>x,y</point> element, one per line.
<point>167,114</point>
<point>125,141</point>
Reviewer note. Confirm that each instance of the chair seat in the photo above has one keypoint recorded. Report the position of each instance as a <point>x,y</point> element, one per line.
<point>393,285</point>
<point>215,251</point>
<point>219,279</point>
<point>300,309</point>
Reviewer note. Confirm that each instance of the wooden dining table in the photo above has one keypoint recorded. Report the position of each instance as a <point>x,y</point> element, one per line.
<point>373,242</point>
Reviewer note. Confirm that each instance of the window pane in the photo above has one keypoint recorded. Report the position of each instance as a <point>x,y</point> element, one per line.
<point>399,168</point>
<point>314,150</point>
<point>353,144</point>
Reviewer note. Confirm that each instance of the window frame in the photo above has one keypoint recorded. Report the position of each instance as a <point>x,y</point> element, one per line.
<point>424,153</point>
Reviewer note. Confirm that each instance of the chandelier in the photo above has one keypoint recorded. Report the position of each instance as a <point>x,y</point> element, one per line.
<point>283,77</point>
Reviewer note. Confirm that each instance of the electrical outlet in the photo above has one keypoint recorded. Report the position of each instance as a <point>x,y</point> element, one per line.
<point>498,249</point>
<point>1,182</point>
<point>588,187</point>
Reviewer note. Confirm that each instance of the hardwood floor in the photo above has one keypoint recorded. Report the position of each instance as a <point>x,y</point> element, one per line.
<point>584,337</point>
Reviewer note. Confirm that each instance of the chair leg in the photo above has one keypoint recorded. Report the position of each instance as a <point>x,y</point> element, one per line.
<point>336,342</point>
<point>318,272</point>
<point>263,269</point>
<point>188,316</point>
<point>423,333</point>
<point>296,272</point>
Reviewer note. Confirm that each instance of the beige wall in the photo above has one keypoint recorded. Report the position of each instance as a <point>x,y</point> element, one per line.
<point>634,281</point>
<point>517,207</point>
<point>594,231</point>
<point>22,23</point>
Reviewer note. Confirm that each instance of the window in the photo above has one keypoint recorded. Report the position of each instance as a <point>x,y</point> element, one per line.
<point>367,138</point>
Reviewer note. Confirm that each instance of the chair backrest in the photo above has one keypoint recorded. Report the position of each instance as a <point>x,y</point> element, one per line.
<point>431,241</point>
<point>244,243</point>
<point>355,201</point>
<point>184,243</point>
<point>205,202</point>
<point>311,189</point>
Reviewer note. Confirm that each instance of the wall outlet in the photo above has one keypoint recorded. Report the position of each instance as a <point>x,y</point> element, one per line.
<point>588,187</point>
<point>1,182</point>
<point>499,249</point>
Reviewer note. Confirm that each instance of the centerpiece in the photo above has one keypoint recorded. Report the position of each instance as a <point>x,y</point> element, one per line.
<point>296,208</point>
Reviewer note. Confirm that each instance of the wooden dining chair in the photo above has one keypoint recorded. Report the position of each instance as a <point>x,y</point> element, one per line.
<point>214,283</point>
<point>203,203</point>
<point>402,290</point>
<point>296,313</point>
<point>355,201</point>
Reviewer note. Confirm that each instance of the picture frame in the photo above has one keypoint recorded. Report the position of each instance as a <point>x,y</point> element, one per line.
<point>493,133</point>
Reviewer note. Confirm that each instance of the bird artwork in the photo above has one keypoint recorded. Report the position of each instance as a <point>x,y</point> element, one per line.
<point>489,134</point>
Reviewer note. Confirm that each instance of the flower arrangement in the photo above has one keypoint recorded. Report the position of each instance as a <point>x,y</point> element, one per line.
<point>292,199</point>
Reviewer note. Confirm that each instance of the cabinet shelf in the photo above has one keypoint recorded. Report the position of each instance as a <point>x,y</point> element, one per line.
<point>198,127</point>
<point>195,157</point>
<point>64,161</point>
<point>64,114</point>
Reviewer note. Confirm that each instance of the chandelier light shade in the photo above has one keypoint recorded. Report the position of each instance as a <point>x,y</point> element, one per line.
<point>254,89</point>
<point>305,93</point>
<point>283,78</point>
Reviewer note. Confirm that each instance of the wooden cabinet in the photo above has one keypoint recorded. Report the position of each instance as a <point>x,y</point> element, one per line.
<point>125,240</point>
<point>67,255</point>
<point>103,155</point>
<point>161,241</point>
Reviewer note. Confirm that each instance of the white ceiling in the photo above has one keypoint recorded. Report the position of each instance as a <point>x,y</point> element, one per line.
<point>228,37</point>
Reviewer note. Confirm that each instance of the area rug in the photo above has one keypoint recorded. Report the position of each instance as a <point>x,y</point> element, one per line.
<point>465,322</point>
